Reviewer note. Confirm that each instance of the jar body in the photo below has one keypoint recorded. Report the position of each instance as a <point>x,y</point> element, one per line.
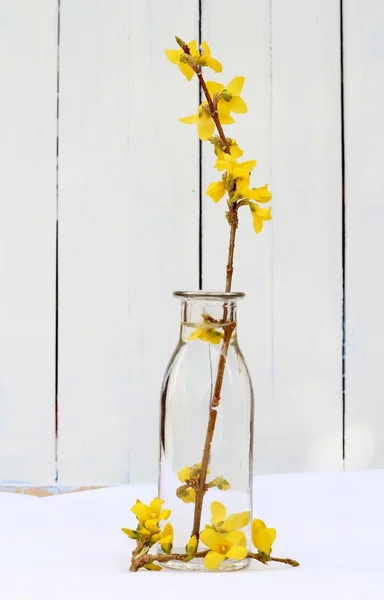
<point>195,386</point>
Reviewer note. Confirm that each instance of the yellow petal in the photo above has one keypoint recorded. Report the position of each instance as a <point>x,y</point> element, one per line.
<point>216,191</point>
<point>264,213</point>
<point>215,65</point>
<point>166,546</point>
<point>206,49</point>
<point>235,151</point>
<point>248,165</point>
<point>168,532</point>
<point>263,538</point>
<point>205,127</point>
<point>141,511</point>
<point>186,70</point>
<point>238,105</point>
<point>130,533</point>
<point>194,336</point>
<point>210,538</point>
<point>214,87</point>
<point>173,56</point>
<point>218,512</point>
<point>155,537</point>
<point>239,172</point>
<point>235,86</point>
<point>237,521</point>
<point>211,336</point>
<point>213,559</point>
<point>155,506</point>
<point>257,223</point>
<point>223,165</point>
<point>152,525</point>
<point>152,567</point>
<point>264,195</point>
<point>236,538</point>
<point>256,523</point>
<point>189,120</point>
<point>226,119</point>
<point>164,515</point>
<point>143,531</point>
<point>189,496</point>
<point>237,553</point>
<point>184,474</point>
<point>192,47</point>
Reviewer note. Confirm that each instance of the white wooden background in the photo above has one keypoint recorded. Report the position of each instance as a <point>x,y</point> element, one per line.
<point>90,136</point>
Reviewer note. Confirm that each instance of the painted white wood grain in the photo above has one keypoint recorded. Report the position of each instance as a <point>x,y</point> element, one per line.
<point>290,323</point>
<point>364,132</point>
<point>128,230</point>
<point>28,50</point>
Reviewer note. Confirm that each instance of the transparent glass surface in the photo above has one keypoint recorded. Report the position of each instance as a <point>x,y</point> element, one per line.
<point>186,402</point>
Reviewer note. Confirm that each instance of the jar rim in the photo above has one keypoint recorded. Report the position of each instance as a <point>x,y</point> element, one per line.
<point>202,295</point>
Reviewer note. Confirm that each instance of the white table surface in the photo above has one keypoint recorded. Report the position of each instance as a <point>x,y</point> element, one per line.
<point>70,546</point>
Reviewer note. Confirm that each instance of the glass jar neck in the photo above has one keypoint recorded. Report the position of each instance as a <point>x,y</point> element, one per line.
<point>207,318</point>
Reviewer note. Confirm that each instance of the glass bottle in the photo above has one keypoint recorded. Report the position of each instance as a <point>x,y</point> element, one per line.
<point>207,412</point>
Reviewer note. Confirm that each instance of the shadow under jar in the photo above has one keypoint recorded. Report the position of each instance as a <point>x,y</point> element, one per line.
<point>206,434</point>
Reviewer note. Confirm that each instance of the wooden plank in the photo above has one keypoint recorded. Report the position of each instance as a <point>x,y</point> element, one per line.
<point>28,52</point>
<point>364,132</point>
<point>128,230</point>
<point>290,323</point>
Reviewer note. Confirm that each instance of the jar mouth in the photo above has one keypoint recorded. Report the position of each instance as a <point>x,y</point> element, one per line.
<point>202,295</point>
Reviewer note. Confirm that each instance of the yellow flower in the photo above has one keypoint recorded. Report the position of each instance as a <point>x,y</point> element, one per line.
<point>149,516</point>
<point>259,215</point>
<point>229,163</point>
<point>263,536</point>
<point>230,100</point>
<point>205,123</point>
<point>206,334</point>
<point>175,55</point>
<point>223,524</point>
<point>221,547</point>
<point>204,59</point>
<point>261,194</point>
<point>166,539</point>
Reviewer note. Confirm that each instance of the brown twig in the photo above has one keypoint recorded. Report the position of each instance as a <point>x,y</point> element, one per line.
<point>138,563</point>
<point>233,220</point>
<point>261,558</point>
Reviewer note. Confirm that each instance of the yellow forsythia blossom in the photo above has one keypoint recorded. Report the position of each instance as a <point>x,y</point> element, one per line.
<point>230,100</point>
<point>205,123</point>
<point>206,334</point>
<point>223,524</point>
<point>261,194</point>
<point>203,60</point>
<point>259,215</point>
<point>229,163</point>
<point>237,171</point>
<point>263,536</point>
<point>221,547</point>
<point>149,516</point>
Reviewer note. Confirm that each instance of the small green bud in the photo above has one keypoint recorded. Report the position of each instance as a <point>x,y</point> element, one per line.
<point>180,42</point>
